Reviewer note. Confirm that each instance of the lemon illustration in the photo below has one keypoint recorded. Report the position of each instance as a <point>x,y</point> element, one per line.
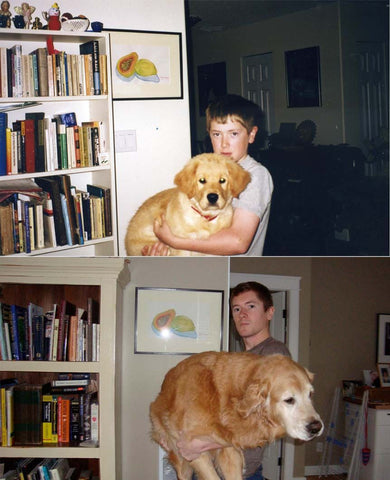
<point>146,70</point>
<point>183,326</point>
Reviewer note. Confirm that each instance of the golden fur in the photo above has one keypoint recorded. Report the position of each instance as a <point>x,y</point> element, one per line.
<point>240,401</point>
<point>208,183</point>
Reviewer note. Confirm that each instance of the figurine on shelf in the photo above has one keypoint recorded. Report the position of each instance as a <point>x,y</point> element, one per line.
<point>53,17</point>
<point>37,24</point>
<point>26,10</point>
<point>5,14</point>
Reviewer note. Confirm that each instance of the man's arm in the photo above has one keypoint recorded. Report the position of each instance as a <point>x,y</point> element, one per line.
<point>192,449</point>
<point>234,240</point>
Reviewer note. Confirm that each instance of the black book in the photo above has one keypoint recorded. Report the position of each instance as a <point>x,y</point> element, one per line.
<point>105,193</point>
<point>50,185</point>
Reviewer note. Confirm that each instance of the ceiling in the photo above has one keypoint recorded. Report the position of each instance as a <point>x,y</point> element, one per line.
<point>217,15</point>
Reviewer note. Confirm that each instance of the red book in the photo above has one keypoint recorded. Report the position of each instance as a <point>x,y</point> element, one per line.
<point>29,135</point>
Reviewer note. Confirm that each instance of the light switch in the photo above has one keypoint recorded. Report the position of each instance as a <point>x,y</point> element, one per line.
<point>125,141</point>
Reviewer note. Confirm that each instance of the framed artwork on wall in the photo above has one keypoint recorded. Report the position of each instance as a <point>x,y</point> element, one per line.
<point>177,320</point>
<point>383,338</point>
<point>146,65</point>
<point>303,77</point>
<point>384,374</point>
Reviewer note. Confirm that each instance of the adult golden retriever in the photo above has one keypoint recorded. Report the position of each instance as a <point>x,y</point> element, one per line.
<point>238,400</point>
<point>199,206</point>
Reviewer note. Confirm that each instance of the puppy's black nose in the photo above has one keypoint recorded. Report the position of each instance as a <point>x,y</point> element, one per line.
<point>314,427</point>
<point>212,198</point>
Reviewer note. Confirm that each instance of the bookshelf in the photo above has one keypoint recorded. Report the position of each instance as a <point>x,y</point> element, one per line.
<point>87,108</point>
<point>43,281</point>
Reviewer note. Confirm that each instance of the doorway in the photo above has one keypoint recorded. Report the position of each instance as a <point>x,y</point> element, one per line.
<point>278,462</point>
<point>257,85</point>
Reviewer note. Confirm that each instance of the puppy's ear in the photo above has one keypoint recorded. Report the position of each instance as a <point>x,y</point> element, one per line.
<point>254,398</point>
<point>239,178</point>
<point>186,179</point>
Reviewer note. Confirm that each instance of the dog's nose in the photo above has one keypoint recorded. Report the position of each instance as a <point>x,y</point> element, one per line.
<point>314,427</point>
<point>212,198</point>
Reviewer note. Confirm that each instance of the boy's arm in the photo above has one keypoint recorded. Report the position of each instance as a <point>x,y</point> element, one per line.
<point>234,240</point>
<point>192,449</point>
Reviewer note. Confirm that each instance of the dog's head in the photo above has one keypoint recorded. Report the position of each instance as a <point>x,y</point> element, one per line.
<point>280,392</point>
<point>211,181</point>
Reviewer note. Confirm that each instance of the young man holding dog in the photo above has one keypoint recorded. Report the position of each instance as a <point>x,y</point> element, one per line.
<point>252,310</point>
<point>232,123</point>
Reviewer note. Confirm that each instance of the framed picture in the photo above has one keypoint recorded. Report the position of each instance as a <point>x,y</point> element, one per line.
<point>303,77</point>
<point>383,338</point>
<point>350,386</point>
<point>146,65</point>
<point>211,84</point>
<point>178,320</point>
<point>384,374</point>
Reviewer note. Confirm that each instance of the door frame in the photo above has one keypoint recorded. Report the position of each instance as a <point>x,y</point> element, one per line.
<point>292,286</point>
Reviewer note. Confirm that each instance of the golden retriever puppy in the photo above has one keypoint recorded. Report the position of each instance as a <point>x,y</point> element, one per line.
<point>238,400</point>
<point>199,206</point>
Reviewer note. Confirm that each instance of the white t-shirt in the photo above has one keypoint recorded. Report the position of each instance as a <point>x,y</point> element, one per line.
<point>256,198</point>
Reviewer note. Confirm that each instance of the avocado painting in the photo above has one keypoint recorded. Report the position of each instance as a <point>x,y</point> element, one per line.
<point>178,320</point>
<point>145,65</point>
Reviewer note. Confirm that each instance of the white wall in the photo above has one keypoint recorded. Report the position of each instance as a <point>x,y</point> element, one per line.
<point>162,126</point>
<point>139,376</point>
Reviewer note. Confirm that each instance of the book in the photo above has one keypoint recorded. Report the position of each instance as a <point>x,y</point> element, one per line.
<point>6,229</point>
<point>38,337</point>
<point>50,185</point>
<point>65,189</point>
<point>34,310</point>
<point>48,221</point>
<point>28,131</point>
<point>3,346</point>
<point>59,470</point>
<point>104,193</point>
<point>27,423</point>
<point>63,419</point>
<point>42,68</point>
<point>92,48</point>
<point>38,119</point>
<point>3,143</point>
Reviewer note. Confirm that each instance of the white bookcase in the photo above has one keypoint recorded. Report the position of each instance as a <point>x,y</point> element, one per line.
<point>87,108</point>
<point>41,279</point>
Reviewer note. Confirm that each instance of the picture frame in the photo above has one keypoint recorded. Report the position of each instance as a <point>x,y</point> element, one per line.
<point>160,76</point>
<point>383,338</point>
<point>303,77</point>
<point>350,386</point>
<point>384,374</point>
<point>178,321</point>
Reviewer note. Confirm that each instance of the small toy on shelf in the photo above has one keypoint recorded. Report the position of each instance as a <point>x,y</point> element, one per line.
<point>26,11</point>
<point>5,14</point>
<point>37,24</point>
<point>53,17</point>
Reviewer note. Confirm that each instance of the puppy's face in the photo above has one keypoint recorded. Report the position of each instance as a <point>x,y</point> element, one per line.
<point>211,181</point>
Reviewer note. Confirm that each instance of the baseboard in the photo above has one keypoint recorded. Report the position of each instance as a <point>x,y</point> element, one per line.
<point>332,469</point>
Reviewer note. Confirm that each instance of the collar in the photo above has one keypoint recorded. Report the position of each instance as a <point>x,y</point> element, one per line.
<point>207,217</point>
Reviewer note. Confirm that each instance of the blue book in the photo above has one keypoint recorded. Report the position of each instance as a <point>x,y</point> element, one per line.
<point>3,143</point>
<point>92,48</point>
<point>14,333</point>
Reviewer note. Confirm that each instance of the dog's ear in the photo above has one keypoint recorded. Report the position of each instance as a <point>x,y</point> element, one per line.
<point>239,178</point>
<point>254,398</point>
<point>186,179</point>
<point>310,375</point>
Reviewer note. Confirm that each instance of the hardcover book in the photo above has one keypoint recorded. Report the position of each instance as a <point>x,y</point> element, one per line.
<point>28,421</point>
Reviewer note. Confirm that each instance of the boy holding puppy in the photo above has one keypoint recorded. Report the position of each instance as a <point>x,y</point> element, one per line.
<point>232,124</point>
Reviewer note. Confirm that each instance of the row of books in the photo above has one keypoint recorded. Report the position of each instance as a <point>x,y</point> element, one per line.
<point>44,469</point>
<point>33,414</point>
<point>40,73</point>
<point>42,144</point>
<point>52,213</point>
<point>66,333</point>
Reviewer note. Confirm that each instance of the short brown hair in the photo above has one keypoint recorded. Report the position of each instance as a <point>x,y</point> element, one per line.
<point>260,290</point>
<point>238,108</point>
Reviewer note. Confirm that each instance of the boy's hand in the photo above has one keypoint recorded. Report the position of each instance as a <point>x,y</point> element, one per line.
<point>159,249</point>
<point>163,232</point>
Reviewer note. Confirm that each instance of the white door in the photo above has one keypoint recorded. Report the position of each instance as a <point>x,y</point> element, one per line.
<point>258,85</point>
<point>373,89</point>
<point>273,452</point>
